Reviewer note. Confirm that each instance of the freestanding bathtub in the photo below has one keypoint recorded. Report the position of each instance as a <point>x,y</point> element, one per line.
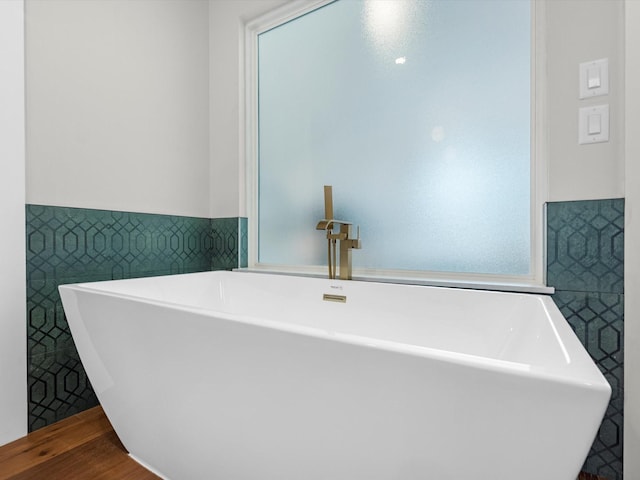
<point>241,376</point>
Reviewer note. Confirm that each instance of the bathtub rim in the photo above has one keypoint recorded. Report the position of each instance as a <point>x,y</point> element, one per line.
<point>401,277</point>
<point>586,373</point>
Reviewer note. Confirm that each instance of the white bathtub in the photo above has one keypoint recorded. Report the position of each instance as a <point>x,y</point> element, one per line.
<point>241,376</point>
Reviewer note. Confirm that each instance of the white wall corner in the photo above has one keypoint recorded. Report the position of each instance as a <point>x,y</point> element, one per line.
<point>632,240</point>
<point>579,32</point>
<point>227,20</point>
<point>13,355</point>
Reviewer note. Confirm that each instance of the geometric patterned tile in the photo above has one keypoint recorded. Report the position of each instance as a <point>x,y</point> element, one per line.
<point>243,254</point>
<point>65,245</point>
<point>87,244</point>
<point>58,388</point>
<point>227,243</point>
<point>68,245</point>
<point>585,264</point>
<point>598,321</point>
<point>585,245</point>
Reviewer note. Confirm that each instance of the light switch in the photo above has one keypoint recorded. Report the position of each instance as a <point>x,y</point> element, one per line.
<point>594,78</point>
<point>593,124</point>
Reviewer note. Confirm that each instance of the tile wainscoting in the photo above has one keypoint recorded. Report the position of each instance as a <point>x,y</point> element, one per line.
<point>585,264</point>
<point>230,243</point>
<point>69,245</point>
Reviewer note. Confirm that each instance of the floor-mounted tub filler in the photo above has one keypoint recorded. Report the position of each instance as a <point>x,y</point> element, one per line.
<point>245,376</point>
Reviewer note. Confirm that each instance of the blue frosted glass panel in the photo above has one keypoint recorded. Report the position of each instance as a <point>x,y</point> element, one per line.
<point>418,113</point>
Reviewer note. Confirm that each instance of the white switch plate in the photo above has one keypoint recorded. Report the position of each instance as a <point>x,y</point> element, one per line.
<point>595,119</point>
<point>594,78</point>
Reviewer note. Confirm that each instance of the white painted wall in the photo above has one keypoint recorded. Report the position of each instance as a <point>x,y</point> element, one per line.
<point>117,105</point>
<point>580,31</point>
<point>632,240</point>
<point>169,151</point>
<point>227,21</point>
<point>13,341</point>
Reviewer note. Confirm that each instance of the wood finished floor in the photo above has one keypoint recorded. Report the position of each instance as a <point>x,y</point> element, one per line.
<point>82,447</point>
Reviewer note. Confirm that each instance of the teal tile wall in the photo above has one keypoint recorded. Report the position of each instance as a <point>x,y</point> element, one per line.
<point>243,254</point>
<point>585,243</point>
<point>227,243</point>
<point>585,264</point>
<point>68,245</point>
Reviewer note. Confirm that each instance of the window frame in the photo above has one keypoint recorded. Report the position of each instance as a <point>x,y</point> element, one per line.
<point>534,282</point>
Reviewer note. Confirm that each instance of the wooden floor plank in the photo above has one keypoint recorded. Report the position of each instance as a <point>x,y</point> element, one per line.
<point>47,443</point>
<point>590,476</point>
<point>102,458</point>
<point>83,446</point>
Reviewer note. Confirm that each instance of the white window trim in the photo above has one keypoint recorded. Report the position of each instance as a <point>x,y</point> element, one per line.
<point>535,282</point>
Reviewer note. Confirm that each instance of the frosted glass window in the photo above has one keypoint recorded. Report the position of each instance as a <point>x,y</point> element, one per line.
<point>418,113</point>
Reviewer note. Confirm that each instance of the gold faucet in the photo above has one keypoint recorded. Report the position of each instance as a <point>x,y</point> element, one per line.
<point>344,236</point>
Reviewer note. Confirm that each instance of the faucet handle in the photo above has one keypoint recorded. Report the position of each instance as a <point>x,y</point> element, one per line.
<point>355,243</point>
<point>328,201</point>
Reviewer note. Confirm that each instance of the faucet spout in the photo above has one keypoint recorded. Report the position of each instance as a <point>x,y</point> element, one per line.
<point>324,225</point>
<point>327,224</point>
